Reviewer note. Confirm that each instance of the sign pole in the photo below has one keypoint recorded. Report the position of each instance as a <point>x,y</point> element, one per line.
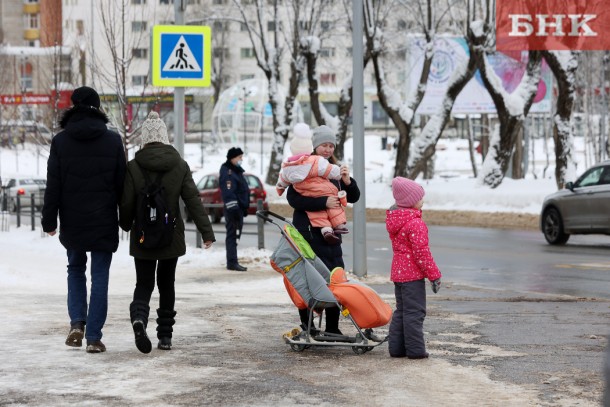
<point>360,266</point>
<point>179,7</point>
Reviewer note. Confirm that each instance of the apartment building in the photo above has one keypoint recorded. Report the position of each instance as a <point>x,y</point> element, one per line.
<point>32,61</point>
<point>107,45</point>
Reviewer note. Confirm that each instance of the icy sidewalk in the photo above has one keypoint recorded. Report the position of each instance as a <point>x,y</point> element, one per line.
<point>227,345</point>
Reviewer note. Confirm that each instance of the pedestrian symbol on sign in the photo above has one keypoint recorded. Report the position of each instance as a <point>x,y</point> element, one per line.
<point>182,58</point>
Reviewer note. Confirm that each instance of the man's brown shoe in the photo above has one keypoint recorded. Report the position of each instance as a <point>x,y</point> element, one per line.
<point>75,336</point>
<point>95,347</point>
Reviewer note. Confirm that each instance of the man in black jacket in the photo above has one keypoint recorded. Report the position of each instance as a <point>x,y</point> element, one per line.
<point>236,197</point>
<point>85,174</point>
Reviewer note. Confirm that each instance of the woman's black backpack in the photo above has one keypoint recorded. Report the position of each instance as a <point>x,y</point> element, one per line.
<point>154,223</point>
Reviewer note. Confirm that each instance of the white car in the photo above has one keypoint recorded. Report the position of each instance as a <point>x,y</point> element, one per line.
<point>23,186</point>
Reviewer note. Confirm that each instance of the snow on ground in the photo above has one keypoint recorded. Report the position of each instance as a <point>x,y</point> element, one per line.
<point>227,348</point>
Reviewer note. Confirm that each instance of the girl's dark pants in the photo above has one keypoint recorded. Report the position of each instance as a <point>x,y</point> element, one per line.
<point>406,337</point>
<point>145,281</point>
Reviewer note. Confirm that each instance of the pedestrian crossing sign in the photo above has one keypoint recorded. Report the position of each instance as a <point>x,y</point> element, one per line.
<point>181,56</point>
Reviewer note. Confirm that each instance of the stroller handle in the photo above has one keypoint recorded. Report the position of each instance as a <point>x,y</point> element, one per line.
<point>264,214</point>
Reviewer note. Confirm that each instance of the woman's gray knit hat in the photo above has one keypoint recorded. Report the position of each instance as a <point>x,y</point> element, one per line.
<point>323,134</point>
<point>154,130</point>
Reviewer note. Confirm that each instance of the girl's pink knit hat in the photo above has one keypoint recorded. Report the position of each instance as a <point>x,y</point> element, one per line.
<point>406,192</point>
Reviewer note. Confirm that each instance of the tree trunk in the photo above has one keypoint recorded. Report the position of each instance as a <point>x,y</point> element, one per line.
<point>562,124</point>
<point>511,121</point>
<point>425,144</point>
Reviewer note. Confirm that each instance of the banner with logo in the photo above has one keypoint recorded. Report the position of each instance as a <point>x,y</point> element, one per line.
<point>451,53</point>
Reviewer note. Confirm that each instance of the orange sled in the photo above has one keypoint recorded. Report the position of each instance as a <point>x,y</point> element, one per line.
<point>312,286</point>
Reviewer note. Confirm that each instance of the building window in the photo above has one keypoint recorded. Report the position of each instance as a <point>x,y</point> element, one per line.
<point>271,26</point>
<point>304,25</point>
<point>327,52</point>
<point>332,108</point>
<point>31,21</point>
<point>379,115</point>
<point>325,26</point>
<point>247,76</point>
<point>217,26</point>
<point>166,1</point>
<point>402,25</point>
<point>138,1</point>
<point>138,26</point>
<point>243,26</point>
<point>219,2</point>
<point>247,53</point>
<point>221,52</point>
<point>328,79</point>
<point>140,53</point>
<point>27,81</point>
<point>138,80</point>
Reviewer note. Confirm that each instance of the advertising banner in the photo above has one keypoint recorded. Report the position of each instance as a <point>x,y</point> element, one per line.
<point>451,53</point>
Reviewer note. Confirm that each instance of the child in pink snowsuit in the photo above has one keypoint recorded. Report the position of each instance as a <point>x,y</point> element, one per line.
<point>412,262</point>
<point>309,175</point>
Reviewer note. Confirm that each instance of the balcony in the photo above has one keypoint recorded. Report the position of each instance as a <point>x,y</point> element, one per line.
<point>31,8</point>
<point>31,34</point>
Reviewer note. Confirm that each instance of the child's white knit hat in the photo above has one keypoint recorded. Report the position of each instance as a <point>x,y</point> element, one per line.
<point>301,142</point>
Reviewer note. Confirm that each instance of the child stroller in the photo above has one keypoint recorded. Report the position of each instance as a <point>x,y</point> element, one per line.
<point>312,286</point>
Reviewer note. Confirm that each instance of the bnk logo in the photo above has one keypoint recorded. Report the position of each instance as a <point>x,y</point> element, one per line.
<point>552,25</point>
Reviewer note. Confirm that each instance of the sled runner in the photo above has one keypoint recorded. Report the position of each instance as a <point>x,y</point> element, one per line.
<point>312,286</point>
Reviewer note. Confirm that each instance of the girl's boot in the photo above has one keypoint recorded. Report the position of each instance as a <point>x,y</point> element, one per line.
<point>139,311</point>
<point>165,322</point>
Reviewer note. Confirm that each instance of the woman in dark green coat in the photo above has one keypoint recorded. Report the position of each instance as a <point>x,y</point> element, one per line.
<point>156,157</point>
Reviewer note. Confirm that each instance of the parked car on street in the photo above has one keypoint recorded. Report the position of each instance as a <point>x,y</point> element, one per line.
<point>583,207</point>
<point>23,186</point>
<point>209,193</point>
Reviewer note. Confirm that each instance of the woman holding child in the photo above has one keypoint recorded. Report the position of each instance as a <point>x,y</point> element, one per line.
<point>324,141</point>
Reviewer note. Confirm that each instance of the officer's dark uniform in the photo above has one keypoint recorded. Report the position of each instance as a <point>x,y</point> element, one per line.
<point>235,195</point>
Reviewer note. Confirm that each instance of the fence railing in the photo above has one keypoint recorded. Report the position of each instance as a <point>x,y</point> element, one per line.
<point>5,210</point>
<point>5,218</point>
<point>260,225</point>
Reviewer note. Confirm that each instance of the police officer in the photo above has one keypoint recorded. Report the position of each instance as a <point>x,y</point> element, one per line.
<point>235,195</point>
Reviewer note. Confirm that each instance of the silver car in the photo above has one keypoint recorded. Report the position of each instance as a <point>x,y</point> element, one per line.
<point>23,186</point>
<point>583,207</point>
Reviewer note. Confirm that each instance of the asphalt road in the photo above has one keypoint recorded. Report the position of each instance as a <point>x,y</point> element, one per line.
<point>534,314</point>
<point>519,261</point>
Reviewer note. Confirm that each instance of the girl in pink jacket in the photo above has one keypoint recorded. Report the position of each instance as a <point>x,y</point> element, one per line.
<point>412,263</point>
